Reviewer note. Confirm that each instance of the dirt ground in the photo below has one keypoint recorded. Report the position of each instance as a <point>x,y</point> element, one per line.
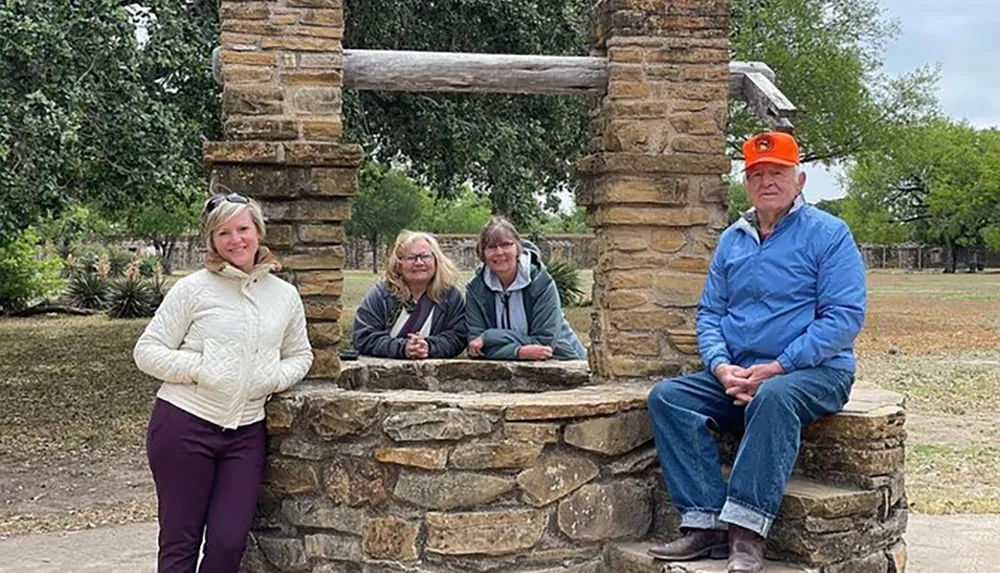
<point>72,425</point>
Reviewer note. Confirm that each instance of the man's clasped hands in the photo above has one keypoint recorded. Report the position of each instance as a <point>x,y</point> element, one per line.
<point>742,383</point>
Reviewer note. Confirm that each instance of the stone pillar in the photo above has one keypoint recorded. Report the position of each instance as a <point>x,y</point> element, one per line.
<point>282,64</point>
<point>653,183</point>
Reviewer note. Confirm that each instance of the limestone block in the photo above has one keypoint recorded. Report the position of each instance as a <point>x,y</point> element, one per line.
<point>691,264</point>
<point>283,553</point>
<point>645,215</point>
<point>511,454</point>
<point>624,300</point>
<point>438,424</point>
<point>302,449</point>
<point>281,414</point>
<point>807,498</point>
<point>668,240</point>
<point>629,279</point>
<point>322,283</point>
<point>259,181</point>
<point>612,435</point>
<point>537,433</point>
<point>426,458</point>
<point>313,60</point>
<point>291,476</point>
<point>279,236</point>
<point>391,538</point>
<point>246,74</point>
<point>896,556</point>
<point>678,289</point>
<point>340,547</point>
<point>325,154</point>
<point>646,320</point>
<point>334,417</point>
<point>313,100</point>
<point>873,563</point>
<point>660,190</point>
<point>449,490</point>
<point>241,152</point>
<point>322,334</point>
<point>315,258</point>
<point>336,182</point>
<point>322,129</point>
<point>631,163</point>
<point>638,461</point>
<point>321,513</point>
<point>269,129</point>
<point>323,17</point>
<point>256,59</point>
<point>326,361</point>
<point>579,403</point>
<point>554,478</point>
<point>252,99</point>
<point>243,11</point>
<point>597,512</point>
<point>301,44</point>
<point>486,533</point>
<point>628,367</point>
<point>355,481</point>
<point>308,210</point>
<point>695,123</point>
<point>322,307</point>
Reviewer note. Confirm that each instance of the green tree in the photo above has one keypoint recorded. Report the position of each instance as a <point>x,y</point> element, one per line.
<point>162,221</point>
<point>738,200</point>
<point>514,147</point>
<point>465,213</point>
<point>827,56</point>
<point>387,202</point>
<point>26,275</point>
<point>89,115</point>
<point>940,180</point>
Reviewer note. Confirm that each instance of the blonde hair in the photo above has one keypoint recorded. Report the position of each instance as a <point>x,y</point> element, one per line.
<point>226,210</point>
<point>444,269</point>
<point>496,229</point>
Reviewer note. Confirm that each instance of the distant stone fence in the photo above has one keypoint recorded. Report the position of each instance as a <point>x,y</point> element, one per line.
<point>461,249</point>
<point>914,256</point>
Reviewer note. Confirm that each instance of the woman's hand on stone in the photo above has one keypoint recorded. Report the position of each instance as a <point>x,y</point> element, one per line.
<point>534,352</point>
<point>416,347</point>
<point>476,346</point>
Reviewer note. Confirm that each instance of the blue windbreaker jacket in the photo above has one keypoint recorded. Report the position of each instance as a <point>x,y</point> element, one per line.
<point>798,298</point>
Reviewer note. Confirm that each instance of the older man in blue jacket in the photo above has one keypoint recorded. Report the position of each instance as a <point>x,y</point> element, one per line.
<point>782,306</point>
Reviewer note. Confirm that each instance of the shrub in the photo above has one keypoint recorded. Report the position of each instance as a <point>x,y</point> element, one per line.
<point>567,279</point>
<point>130,295</point>
<point>26,275</point>
<point>88,290</point>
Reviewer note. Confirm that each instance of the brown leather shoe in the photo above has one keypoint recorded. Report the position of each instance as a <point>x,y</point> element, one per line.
<point>746,551</point>
<point>695,544</point>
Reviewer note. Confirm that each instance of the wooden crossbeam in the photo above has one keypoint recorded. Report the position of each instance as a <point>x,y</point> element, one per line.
<point>388,70</point>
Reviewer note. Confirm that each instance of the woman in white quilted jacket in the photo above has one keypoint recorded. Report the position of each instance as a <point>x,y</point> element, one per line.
<point>224,339</point>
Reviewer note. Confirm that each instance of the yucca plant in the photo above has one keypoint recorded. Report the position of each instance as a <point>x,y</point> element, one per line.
<point>131,296</point>
<point>567,279</point>
<point>86,290</point>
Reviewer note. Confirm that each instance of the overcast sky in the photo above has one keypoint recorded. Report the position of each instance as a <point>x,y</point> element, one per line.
<point>963,37</point>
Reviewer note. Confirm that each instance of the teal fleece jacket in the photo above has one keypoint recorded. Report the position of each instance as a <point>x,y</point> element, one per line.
<point>547,323</point>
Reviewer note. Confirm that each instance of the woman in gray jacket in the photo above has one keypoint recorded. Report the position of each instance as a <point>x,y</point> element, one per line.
<point>415,312</point>
<point>513,306</point>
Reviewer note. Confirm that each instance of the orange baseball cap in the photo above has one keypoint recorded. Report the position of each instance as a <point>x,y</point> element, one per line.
<point>771,147</point>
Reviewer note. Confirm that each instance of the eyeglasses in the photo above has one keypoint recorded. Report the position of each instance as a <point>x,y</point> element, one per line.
<point>422,257</point>
<point>501,246</point>
<point>231,198</point>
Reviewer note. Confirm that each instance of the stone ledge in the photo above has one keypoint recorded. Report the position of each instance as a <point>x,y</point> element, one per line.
<point>462,375</point>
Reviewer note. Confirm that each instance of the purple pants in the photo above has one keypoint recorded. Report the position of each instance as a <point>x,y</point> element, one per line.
<point>207,481</point>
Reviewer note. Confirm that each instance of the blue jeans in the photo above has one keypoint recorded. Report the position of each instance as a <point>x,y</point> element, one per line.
<point>685,410</point>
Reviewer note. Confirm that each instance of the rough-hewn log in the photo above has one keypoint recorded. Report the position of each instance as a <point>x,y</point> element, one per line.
<point>456,72</point>
<point>388,70</point>
<point>772,107</point>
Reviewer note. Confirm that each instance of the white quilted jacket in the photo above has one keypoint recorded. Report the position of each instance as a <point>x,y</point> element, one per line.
<point>222,342</point>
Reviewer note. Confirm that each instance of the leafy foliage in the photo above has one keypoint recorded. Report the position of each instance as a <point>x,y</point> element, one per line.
<point>90,115</point>
<point>26,276</point>
<point>827,56</point>
<point>465,213</point>
<point>738,200</point>
<point>939,181</point>
<point>567,279</point>
<point>512,147</point>
<point>387,202</point>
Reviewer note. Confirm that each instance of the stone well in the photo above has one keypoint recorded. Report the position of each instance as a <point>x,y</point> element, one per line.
<point>459,465</point>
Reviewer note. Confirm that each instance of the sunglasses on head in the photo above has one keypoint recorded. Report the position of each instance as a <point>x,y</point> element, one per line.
<point>230,198</point>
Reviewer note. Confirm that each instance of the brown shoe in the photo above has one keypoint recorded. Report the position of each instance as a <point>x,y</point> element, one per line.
<point>695,544</point>
<point>746,551</point>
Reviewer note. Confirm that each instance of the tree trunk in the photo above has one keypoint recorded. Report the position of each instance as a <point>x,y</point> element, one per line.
<point>949,255</point>
<point>374,245</point>
<point>168,253</point>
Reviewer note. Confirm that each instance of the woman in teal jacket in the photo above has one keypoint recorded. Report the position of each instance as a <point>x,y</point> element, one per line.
<point>512,305</point>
